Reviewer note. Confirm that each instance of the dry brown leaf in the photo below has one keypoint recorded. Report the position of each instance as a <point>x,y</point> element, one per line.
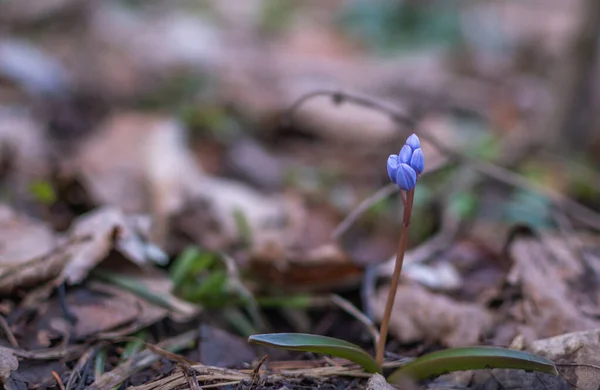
<point>23,145</point>
<point>8,363</point>
<point>378,382</point>
<point>28,253</point>
<point>159,284</point>
<point>126,153</point>
<point>107,228</point>
<point>97,310</point>
<point>31,254</point>
<point>577,356</point>
<point>141,163</point>
<point>23,238</point>
<point>419,314</point>
<point>546,270</point>
<point>326,267</point>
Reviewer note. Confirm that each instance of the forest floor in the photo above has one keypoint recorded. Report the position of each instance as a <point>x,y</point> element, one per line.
<point>178,176</point>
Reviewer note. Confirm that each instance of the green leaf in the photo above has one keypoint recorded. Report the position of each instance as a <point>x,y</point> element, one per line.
<point>43,192</point>
<point>191,261</point>
<point>471,358</point>
<point>318,344</point>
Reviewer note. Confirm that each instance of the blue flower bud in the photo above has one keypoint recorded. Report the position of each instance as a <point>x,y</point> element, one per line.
<point>413,142</point>
<point>392,167</point>
<point>417,161</point>
<point>406,177</point>
<point>404,155</point>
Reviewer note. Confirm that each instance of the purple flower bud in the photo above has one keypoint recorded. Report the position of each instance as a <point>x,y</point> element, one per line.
<point>413,142</point>
<point>404,155</point>
<point>392,167</point>
<point>406,177</point>
<point>417,161</point>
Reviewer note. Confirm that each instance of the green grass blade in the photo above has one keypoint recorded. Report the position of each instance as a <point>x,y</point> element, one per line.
<point>318,344</point>
<point>471,358</point>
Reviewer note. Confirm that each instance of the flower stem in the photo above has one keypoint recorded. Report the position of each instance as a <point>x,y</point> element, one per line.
<point>408,203</point>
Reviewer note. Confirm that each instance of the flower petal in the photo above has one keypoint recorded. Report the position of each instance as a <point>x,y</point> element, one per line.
<point>413,142</point>
<point>404,155</point>
<point>406,178</point>
<point>417,161</point>
<point>392,167</point>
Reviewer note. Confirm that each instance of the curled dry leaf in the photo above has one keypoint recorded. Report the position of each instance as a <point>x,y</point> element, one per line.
<point>31,253</point>
<point>107,228</point>
<point>422,315</point>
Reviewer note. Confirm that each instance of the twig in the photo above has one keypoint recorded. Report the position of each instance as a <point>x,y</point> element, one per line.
<point>83,362</point>
<point>58,381</point>
<point>357,314</point>
<point>396,277</point>
<point>8,332</point>
<point>361,208</point>
<point>141,360</point>
<point>574,209</point>
<point>64,306</point>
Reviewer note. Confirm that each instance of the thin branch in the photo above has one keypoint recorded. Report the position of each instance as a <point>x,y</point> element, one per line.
<point>361,208</point>
<point>349,308</point>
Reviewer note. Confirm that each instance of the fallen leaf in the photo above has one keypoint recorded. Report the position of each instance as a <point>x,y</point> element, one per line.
<point>420,315</point>
<point>108,229</point>
<point>29,252</point>
<point>23,238</point>
<point>24,149</point>
<point>141,164</point>
<point>545,271</point>
<point>575,354</point>
<point>36,374</point>
<point>8,363</point>
<point>378,382</point>
<point>155,287</point>
<point>96,310</point>
<point>326,267</point>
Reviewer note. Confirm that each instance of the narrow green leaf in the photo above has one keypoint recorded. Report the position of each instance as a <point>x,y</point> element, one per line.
<point>100,362</point>
<point>318,344</point>
<point>471,358</point>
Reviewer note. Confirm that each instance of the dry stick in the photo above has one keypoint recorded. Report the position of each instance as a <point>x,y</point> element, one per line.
<point>349,308</point>
<point>576,210</point>
<point>362,207</point>
<point>396,277</point>
<point>8,332</point>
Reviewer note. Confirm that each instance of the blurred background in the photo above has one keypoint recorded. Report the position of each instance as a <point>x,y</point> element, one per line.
<point>86,86</point>
<point>181,111</point>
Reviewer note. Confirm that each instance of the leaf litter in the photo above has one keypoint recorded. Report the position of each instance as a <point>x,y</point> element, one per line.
<point>159,172</point>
